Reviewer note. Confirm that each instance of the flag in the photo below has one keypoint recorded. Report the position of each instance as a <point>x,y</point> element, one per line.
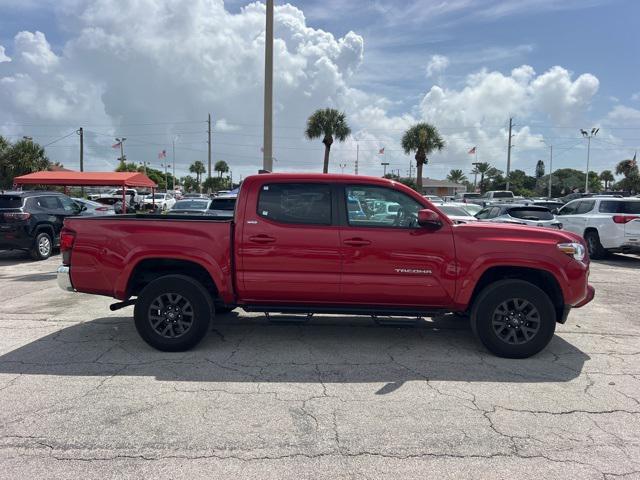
<point>381,151</point>
<point>115,145</point>
<point>472,151</point>
<point>162,154</point>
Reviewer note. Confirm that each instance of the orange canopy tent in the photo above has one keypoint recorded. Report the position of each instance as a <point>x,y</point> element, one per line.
<point>85,179</point>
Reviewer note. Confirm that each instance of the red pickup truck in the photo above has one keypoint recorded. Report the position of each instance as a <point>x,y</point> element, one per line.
<point>311,243</point>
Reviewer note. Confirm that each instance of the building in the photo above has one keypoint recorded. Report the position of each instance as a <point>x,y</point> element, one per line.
<point>442,188</point>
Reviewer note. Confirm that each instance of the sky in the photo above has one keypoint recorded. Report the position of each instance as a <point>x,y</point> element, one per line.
<point>151,70</point>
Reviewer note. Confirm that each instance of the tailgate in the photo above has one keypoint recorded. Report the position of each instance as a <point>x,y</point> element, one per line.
<point>632,228</point>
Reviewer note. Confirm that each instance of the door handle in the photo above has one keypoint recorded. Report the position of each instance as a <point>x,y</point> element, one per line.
<point>357,242</point>
<point>262,239</point>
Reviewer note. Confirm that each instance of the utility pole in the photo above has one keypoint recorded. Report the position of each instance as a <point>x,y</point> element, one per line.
<point>357,157</point>
<point>509,152</point>
<point>267,145</point>
<point>475,174</point>
<point>80,132</point>
<point>208,146</point>
<point>342,167</point>
<point>121,143</point>
<point>384,165</point>
<point>173,145</point>
<point>230,180</point>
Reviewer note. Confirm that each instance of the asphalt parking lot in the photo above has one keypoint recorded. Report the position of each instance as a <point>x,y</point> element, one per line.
<point>339,397</point>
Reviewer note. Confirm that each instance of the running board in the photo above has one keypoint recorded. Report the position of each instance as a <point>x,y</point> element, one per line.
<point>341,310</point>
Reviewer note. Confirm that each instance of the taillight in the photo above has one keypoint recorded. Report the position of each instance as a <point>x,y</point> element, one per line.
<point>624,218</point>
<point>102,209</point>
<point>16,216</point>
<point>67,238</point>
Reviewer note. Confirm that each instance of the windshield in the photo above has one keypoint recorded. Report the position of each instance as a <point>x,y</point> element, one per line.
<point>191,205</point>
<point>502,195</point>
<point>472,208</point>
<point>223,204</point>
<point>456,211</point>
<point>159,196</point>
<point>531,213</point>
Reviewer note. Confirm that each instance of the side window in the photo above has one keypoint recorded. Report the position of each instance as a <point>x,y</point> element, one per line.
<point>482,214</point>
<point>48,202</point>
<point>568,209</point>
<point>372,206</point>
<point>494,212</point>
<point>301,203</point>
<point>585,206</point>
<point>69,205</point>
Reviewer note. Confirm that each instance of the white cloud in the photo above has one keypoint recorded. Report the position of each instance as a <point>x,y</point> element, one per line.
<point>437,64</point>
<point>635,97</point>
<point>33,49</point>
<point>3,55</point>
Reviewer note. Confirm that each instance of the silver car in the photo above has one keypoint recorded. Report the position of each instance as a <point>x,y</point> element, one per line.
<point>519,214</point>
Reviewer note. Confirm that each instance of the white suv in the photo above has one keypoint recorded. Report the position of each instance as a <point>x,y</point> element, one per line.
<point>607,224</point>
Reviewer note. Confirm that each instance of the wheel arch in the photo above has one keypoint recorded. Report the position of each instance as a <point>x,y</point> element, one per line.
<point>543,279</point>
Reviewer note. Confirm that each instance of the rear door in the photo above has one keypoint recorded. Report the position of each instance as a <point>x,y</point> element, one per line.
<point>390,260</point>
<point>289,248</point>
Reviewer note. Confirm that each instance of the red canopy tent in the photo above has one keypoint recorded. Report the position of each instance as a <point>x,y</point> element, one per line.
<point>85,179</point>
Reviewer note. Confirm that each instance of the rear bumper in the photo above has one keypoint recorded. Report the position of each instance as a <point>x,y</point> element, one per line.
<point>15,237</point>
<point>64,278</point>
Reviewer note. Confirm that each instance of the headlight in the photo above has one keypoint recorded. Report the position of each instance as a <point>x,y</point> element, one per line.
<point>575,250</point>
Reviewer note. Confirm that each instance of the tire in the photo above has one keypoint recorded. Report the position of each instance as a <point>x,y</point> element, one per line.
<point>522,334</point>
<point>173,313</point>
<point>42,246</point>
<point>595,248</point>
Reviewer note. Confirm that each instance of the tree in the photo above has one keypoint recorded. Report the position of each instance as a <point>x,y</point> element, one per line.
<point>189,183</point>
<point>327,123</point>
<point>423,139</point>
<point>221,167</point>
<point>457,176</point>
<point>631,180</point>
<point>198,168</point>
<point>212,184</point>
<point>20,158</point>
<point>607,177</point>
<point>481,169</point>
<point>540,169</point>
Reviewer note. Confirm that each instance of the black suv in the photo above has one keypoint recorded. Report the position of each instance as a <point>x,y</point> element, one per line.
<point>32,220</point>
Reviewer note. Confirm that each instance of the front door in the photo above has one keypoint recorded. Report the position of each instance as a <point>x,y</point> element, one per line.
<point>289,248</point>
<point>388,259</point>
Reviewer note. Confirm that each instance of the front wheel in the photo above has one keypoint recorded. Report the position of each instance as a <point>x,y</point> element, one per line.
<point>595,248</point>
<point>173,313</point>
<point>513,318</point>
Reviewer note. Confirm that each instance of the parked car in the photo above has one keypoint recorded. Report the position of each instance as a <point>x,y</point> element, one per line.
<point>552,205</point>
<point>519,214</point>
<point>222,206</point>
<point>89,207</point>
<point>608,224</point>
<point>293,246</point>
<point>195,195</point>
<point>471,208</point>
<point>494,196</point>
<point>162,201</point>
<point>32,221</point>
<point>190,206</point>
<point>434,198</point>
<point>464,197</point>
<point>134,198</point>
<point>456,212</point>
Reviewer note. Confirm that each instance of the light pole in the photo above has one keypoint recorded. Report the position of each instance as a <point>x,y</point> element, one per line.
<point>121,143</point>
<point>166,179</point>
<point>385,165</point>
<point>342,167</point>
<point>267,145</point>
<point>588,136</point>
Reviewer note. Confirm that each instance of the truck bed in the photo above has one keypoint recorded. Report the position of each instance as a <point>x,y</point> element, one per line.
<point>108,249</point>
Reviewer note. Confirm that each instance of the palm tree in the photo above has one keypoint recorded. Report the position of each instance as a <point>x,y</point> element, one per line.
<point>327,123</point>
<point>197,167</point>
<point>457,176</point>
<point>423,139</point>
<point>628,168</point>
<point>607,177</point>
<point>19,158</point>
<point>482,168</point>
<point>221,167</point>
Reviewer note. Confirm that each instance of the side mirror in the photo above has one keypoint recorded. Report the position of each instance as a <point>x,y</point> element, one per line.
<point>429,219</point>
<point>554,211</point>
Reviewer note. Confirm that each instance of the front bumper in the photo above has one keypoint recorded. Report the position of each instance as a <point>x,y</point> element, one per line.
<point>64,278</point>
<point>591,292</point>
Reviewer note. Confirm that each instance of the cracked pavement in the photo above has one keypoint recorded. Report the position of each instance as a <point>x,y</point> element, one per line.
<point>337,397</point>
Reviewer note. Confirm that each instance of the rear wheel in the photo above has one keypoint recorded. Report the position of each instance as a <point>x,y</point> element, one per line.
<point>513,318</point>
<point>596,250</point>
<point>173,313</point>
<point>42,247</point>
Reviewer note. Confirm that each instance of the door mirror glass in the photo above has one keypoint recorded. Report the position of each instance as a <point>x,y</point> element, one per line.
<point>428,218</point>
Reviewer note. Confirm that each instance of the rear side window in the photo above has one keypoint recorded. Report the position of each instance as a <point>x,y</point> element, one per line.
<point>531,213</point>
<point>48,203</point>
<point>608,206</point>
<point>585,206</point>
<point>299,203</point>
<point>10,201</point>
<point>502,195</point>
